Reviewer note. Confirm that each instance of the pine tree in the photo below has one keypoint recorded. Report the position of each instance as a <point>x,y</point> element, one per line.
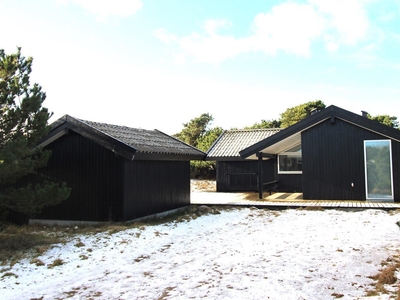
<point>23,122</point>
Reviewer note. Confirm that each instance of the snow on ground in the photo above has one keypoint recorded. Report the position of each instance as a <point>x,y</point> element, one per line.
<point>242,253</point>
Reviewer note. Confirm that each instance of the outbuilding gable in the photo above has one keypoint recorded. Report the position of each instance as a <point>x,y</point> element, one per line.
<point>115,172</point>
<point>130,143</point>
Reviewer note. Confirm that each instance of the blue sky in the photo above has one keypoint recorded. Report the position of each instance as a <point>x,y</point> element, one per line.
<point>156,64</point>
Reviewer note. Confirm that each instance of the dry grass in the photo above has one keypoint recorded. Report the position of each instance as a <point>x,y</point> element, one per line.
<point>386,277</point>
<point>18,242</point>
<point>315,208</point>
<point>57,262</point>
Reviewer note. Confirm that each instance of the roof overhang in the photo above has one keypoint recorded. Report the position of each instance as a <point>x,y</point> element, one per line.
<point>278,147</point>
<point>63,125</point>
<point>291,136</point>
<point>67,123</point>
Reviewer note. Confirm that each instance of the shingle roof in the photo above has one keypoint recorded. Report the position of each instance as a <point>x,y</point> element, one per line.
<point>131,143</point>
<point>145,141</point>
<point>231,142</point>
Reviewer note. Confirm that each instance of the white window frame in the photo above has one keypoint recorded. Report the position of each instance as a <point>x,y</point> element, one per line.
<point>290,154</point>
<point>366,175</point>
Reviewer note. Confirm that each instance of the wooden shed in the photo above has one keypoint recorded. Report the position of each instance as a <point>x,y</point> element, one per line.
<point>233,173</point>
<point>116,173</point>
<point>334,154</point>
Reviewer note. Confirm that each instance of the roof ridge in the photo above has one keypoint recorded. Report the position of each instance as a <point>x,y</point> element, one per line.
<point>143,142</point>
<point>176,139</point>
<point>255,129</point>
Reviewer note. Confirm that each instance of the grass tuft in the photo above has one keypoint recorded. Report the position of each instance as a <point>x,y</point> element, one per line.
<point>79,244</point>
<point>9,274</point>
<point>15,243</point>
<point>386,276</point>
<point>57,262</point>
<point>37,262</point>
<point>83,257</point>
<point>314,208</point>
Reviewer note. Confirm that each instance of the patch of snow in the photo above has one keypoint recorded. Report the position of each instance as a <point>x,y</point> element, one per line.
<point>242,253</point>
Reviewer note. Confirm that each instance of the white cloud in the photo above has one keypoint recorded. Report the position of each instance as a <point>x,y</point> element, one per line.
<point>347,19</point>
<point>213,48</point>
<point>164,36</point>
<point>332,46</point>
<point>106,8</point>
<point>289,27</point>
<point>209,48</point>
<point>366,56</point>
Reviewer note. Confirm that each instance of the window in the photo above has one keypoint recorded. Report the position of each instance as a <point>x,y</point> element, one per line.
<point>378,169</point>
<point>290,161</point>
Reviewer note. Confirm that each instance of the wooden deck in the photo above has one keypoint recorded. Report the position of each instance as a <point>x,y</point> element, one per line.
<point>284,201</point>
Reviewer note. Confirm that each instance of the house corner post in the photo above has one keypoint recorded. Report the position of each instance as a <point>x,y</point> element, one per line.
<point>260,176</point>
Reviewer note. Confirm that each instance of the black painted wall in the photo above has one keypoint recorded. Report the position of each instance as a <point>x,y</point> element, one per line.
<point>396,170</point>
<point>242,175</point>
<point>333,159</point>
<point>93,173</point>
<point>155,186</point>
<point>290,183</point>
<point>106,187</point>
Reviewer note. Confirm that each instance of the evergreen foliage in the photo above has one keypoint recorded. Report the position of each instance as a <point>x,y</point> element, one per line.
<point>387,120</point>
<point>194,129</point>
<point>197,134</point>
<point>201,168</point>
<point>266,124</point>
<point>297,113</point>
<point>23,122</point>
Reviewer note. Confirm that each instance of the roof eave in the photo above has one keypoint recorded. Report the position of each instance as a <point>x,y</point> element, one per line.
<point>313,120</point>
<point>65,123</point>
<point>223,158</point>
<point>285,133</point>
<point>168,156</point>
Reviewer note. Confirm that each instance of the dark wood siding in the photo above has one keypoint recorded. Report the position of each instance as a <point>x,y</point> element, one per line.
<point>154,186</point>
<point>289,183</point>
<point>396,170</point>
<point>333,159</point>
<point>242,175</point>
<point>94,174</point>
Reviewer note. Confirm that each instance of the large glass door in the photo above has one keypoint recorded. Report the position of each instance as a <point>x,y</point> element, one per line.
<point>378,170</point>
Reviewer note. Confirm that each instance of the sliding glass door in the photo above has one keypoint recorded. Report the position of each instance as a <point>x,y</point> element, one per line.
<point>378,170</point>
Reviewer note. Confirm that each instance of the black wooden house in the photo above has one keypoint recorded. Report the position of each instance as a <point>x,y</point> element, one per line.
<point>334,154</point>
<point>233,173</point>
<point>116,172</point>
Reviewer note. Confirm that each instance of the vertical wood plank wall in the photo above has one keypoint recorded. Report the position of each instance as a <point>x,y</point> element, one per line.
<point>333,159</point>
<point>290,183</point>
<point>245,182</point>
<point>93,173</point>
<point>155,186</point>
<point>396,170</point>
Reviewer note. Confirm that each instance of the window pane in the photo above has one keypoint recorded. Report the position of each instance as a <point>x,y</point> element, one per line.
<point>378,169</point>
<point>290,163</point>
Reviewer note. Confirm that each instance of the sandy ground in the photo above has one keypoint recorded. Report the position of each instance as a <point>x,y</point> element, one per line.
<point>202,186</point>
<point>204,192</point>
